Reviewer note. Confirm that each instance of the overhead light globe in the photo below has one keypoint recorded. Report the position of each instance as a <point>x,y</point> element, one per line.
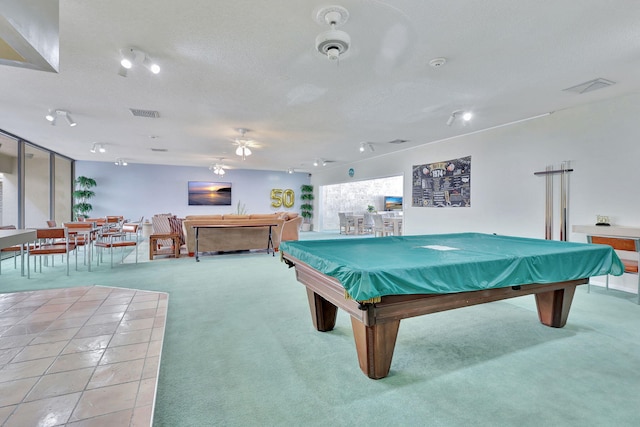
<point>126,63</point>
<point>150,65</point>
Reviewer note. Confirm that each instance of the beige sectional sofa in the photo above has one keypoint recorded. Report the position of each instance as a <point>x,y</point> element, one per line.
<point>246,236</point>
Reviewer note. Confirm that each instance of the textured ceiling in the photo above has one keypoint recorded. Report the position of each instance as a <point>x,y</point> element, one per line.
<point>253,64</point>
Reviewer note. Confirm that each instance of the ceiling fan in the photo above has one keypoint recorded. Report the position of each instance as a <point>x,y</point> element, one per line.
<point>244,144</point>
<point>218,167</point>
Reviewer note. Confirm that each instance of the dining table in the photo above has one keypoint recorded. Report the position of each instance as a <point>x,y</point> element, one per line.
<point>14,237</point>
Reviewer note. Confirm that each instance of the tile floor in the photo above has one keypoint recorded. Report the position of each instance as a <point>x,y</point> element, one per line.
<point>84,356</point>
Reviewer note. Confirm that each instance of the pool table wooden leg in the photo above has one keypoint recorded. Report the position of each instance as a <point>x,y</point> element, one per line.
<point>323,313</point>
<point>375,345</point>
<point>553,306</point>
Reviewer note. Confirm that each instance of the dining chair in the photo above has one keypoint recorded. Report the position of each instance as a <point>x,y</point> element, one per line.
<point>83,234</point>
<point>345,222</point>
<point>621,244</point>
<point>367,223</point>
<point>126,238</point>
<point>379,226</point>
<point>50,241</point>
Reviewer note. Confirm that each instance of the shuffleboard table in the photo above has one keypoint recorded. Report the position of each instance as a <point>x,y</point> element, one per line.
<point>380,281</point>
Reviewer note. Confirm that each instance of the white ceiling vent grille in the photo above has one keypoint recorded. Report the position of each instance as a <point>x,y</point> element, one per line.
<point>590,86</point>
<point>398,141</point>
<point>144,113</point>
<point>159,150</point>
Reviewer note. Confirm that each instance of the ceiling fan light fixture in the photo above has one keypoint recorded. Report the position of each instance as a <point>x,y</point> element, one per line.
<point>243,144</point>
<point>333,43</point>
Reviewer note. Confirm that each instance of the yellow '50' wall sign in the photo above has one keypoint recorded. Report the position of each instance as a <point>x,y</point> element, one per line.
<point>282,198</point>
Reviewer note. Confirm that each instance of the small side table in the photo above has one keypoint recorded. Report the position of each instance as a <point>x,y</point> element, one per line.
<point>153,244</point>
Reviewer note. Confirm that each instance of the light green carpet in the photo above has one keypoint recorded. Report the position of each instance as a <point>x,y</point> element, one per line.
<point>240,350</point>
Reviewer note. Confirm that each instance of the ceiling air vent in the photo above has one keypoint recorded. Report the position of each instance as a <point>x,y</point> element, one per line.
<point>398,141</point>
<point>590,86</point>
<point>159,150</point>
<point>144,113</point>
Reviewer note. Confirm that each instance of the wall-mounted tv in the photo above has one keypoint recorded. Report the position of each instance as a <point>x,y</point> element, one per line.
<point>206,193</point>
<point>392,203</point>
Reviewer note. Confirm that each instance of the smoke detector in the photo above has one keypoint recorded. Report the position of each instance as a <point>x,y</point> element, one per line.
<point>333,43</point>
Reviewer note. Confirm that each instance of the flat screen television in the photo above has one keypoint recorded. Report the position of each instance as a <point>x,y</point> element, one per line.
<point>207,193</point>
<point>392,203</point>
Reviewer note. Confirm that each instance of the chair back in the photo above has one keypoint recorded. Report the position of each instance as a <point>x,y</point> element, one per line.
<point>98,221</point>
<point>51,223</point>
<point>617,243</point>
<point>52,233</point>
<point>80,225</point>
<point>130,227</point>
<point>368,219</point>
<point>114,219</point>
<point>343,219</point>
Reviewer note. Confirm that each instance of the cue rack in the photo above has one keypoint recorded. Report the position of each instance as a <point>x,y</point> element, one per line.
<point>549,173</point>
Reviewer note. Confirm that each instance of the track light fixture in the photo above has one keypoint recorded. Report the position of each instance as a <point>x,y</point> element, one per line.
<point>131,56</point>
<point>53,116</point>
<point>464,115</point>
<point>98,148</point>
<point>290,170</point>
<point>365,145</point>
<point>121,162</point>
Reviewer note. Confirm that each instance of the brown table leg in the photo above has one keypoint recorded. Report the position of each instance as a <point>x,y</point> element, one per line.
<point>375,345</point>
<point>553,306</point>
<point>323,313</point>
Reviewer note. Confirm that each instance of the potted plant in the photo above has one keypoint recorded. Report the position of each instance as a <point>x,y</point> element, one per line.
<point>82,195</point>
<point>371,208</point>
<point>306,209</point>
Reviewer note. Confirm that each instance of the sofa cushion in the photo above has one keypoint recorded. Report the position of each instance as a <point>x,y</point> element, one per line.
<point>264,216</point>
<point>203,217</point>
<point>235,216</point>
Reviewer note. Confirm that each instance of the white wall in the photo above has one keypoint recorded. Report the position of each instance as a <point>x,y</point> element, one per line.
<point>600,140</point>
<point>144,190</point>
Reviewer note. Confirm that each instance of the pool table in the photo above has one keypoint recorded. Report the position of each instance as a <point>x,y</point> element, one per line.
<point>380,281</point>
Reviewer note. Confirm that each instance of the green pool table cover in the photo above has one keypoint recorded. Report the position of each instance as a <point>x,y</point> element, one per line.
<point>448,263</point>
